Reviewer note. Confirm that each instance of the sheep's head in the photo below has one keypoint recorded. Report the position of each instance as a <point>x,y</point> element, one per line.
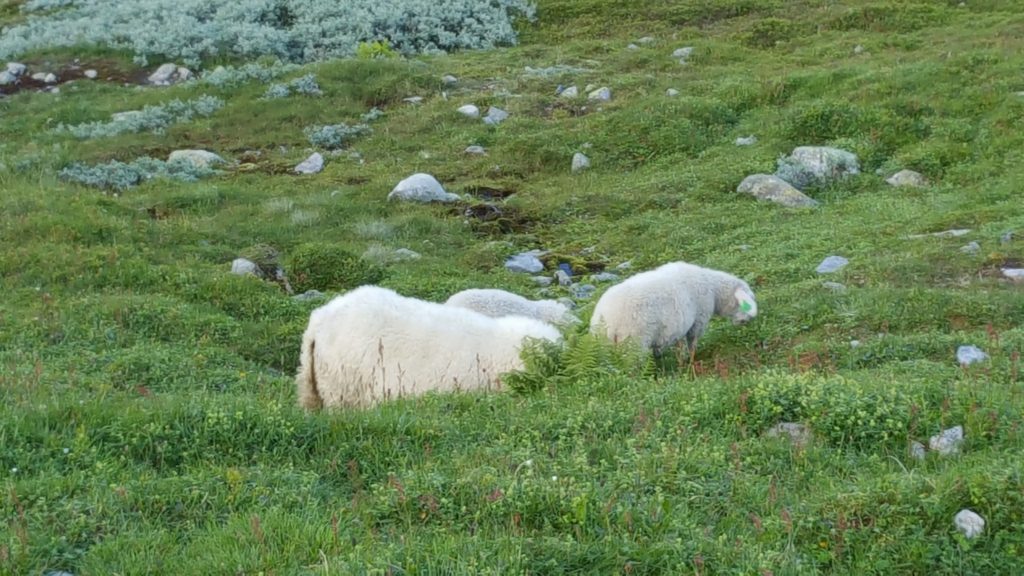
<point>744,307</point>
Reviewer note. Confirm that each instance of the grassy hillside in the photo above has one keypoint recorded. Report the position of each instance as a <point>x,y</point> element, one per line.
<point>148,420</point>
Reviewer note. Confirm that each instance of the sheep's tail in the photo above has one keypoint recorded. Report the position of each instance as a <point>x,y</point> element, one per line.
<point>305,381</point>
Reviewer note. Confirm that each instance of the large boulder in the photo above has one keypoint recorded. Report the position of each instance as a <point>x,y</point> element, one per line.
<point>809,166</point>
<point>421,188</point>
<point>775,189</point>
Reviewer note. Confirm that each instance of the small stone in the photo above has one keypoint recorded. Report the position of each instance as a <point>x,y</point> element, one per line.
<point>413,99</point>
<point>831,264</point>
<point>243,267</point>
<point>404,254</point>
<point>1015,274</point>
<point>58,573</point>
<point>16,69</point>
<point>308,295</point>
<point>421,187</point>
<point>969,354</point>
<point>469,111</point>
<point>90,74</point>
<point>632,46</point>
<point>475,150</point>
<point>570,92</point>
<point>542,281</point>
<point>746,140</point>
<point>672,92</point>
<point>311,165</point>
<point>624,266</point>
<point>495,116</point>
<point>602,94</point>
<point>526,262</point>
<point>563,277</point>
<point>798,434</point>
<point>907,178</point>
<point>854,343</point>
<point>969,523</point>
<point>1006,238</point>
<point>944,234</point>
<point>163,74</point>
<point>589,88</point>
<point>582,291</point>
<point>646,40</point>
<point>580,162</point>
<point>683,53</point>
<point>917,450</point>
<point>744,247</point>
<point>449,80</point>
<point>947,443</point>
<point>971,248</point>
<point>198,158</point>
<point>858,49</point>
<point>834,287</point>
<point>775,189</point>
<point>605,277</point>
<point>7,78</point>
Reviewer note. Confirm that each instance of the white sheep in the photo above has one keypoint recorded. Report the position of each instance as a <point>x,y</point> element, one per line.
<point>660,307</point>
<point>497,303</point>
<point>373,344</point>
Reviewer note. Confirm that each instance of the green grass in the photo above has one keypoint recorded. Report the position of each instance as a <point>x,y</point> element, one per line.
<point>148,421</point>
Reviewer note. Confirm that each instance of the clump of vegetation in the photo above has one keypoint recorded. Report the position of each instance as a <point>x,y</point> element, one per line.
<point>323,266</point>
<point>230,76</point>
<point>374,50</point>
<point>334,136</point>
<point>117,175</point>
<point>302,85</point>
<point>155,119</point>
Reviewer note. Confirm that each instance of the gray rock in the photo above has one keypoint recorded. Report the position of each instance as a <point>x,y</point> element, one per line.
<point>1007,237</point>
<point>624,266</point>
<point>682,53</point>
<point>970,354</point>
<point>971,248</point>
<point>163,74</point>
<point>198,158</point>
<point>590,88</point>
<point>582,291</point>
<point>854,343</point>
<point>944,234</point>
<point>413,100</point>
<point>570,92</point>
<point>183,73</point>
<point>526,263</point>
<point>404,254</point>
<point>605,277</point>
<point>563,278</point>
<point>858,49</point>
<point>495,116</point>
<point>817,166</point>
<point>907,178</point>
<point>475,150</point>
<point>645,41</point>
<point>125,116</point>
<point>831,264</point>
<point>632,46</point>
<point>672,92</point>
<point>311,165</point>
<point>834,287</point>
<point>308,295</point>
<point>775,189</point>
<point>969,523</point>
<point>947,443</point>
<point>542,281</point>
<point>1015,274</point>
<point>798,434</point>
<point>421,187</point>
<point>602,94</point>
<point>58,573</point>
<point>469,111</point>
<point>7,78</point>
<point>16,69</point>
<point>449,80</point>
<point>580,162</point>
<point>90,74</point>
<point>45,77</point>
<point>243,267</point>
<point>746,140</point>
<point>917,450</point>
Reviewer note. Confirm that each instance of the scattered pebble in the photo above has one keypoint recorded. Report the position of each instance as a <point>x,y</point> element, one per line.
<point>967,355</point>
<point>972,248</point>
<point>469,111</point>
<point>746,140</point>
<point>917,450</point>
<point>526,262</point>
<point>495,116</point>
<point>475,150</point>
<point>798,434</point>
<point>602,94</point>
<point>831,264</point>
<point>947,443</point>
<point>570,92</point>
<point>580,162</point>
<point>672,92</point>
<point>969,523</point>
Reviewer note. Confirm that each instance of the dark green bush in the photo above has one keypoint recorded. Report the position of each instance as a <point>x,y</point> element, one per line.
<point>323,266</point>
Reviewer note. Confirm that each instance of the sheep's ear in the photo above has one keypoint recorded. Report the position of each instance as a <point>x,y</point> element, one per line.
<point>746,303</point>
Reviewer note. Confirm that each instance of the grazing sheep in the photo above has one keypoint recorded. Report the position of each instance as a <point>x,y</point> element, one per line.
<point>497,303</point>
<point>660,307</point>
<point>373,344</point>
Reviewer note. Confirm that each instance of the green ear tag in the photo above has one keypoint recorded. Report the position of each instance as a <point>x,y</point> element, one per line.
<point>745,306</point>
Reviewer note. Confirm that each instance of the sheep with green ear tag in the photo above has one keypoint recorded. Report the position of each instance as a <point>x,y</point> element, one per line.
<point>674,302</point>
